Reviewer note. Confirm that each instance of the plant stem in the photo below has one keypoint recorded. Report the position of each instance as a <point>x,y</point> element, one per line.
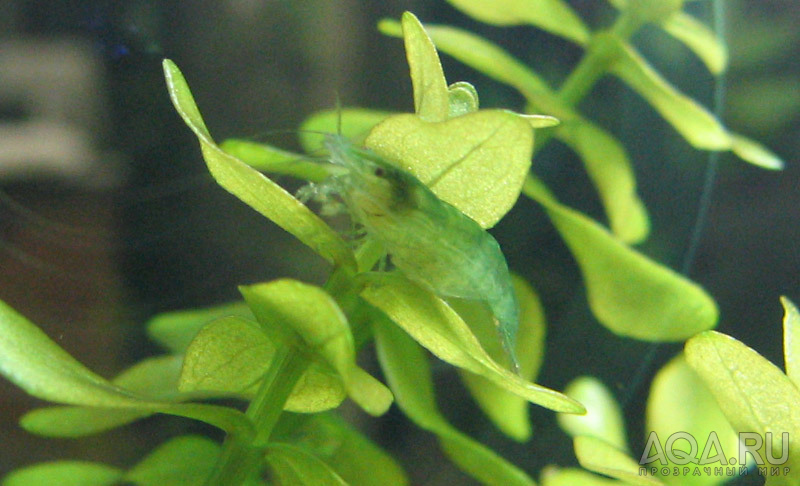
<point>600,55</point>
<point>241,458</point>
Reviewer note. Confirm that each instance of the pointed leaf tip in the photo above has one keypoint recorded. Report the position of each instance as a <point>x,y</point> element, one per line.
<point>431,97</point>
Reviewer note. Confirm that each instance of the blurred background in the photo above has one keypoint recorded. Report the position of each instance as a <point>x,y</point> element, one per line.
<point>107,214</point>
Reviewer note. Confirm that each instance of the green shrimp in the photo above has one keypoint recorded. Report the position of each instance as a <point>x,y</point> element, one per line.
<point>430,241</point>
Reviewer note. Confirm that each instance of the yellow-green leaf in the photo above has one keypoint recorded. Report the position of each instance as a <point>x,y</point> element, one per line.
<point>351,454</point>
<point>509,411</point>
<point>630,294</point>
<point>230,355</point>
<point>604,157</point>
<point>273,160</point>
<point>603,418</point>
<point>407,370</point>
<point>679,401</point>
<point>72,421</point>
<point>601,457</point>
<point>476,162</point>
<point>307,311</point>
<point>755,153</point>
<point>353,124</point>
<point>491,60</point>
<point>65,473</point>
<point>180,461</point>
<point>40,367</point>
<point>791,340</point>
<point>435,325</point>
<point>295,466</point>
<point>175,330</point>
<point>610,169</point>
<point>556,476</point>
<point>554,16</point>
<point>649,10</point>
<point>699,38</point>
<point>753,393</point>
<point>155,378</point>
<point>431,98</point>
<point>252,187</point>
<point>690,119</point>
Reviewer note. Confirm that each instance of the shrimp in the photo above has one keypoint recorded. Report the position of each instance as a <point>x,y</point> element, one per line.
<point>431,242</point>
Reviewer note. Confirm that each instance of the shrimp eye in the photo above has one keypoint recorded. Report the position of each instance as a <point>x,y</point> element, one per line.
<point>379,172</point>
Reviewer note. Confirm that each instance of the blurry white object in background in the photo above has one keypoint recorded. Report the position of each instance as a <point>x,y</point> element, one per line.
<point>54,96</point>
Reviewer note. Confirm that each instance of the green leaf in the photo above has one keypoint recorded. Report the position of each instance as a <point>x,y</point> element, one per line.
<point>556,476</point>
<point>649,10</point>
<point>755,153</point>
<point>316,320</point>
<point>65,473</point>
<point>230,356</point>
<point>610,169</point>
<point>155,378</point>
<point>554,16</point>
<point>604,157</point>
<point>178,462</point>
<point>273,160</point>
<point>408,373</point>
<point>252,187</point>
<point>628,293</point>
<point>71,421</point>
<point>463,99</point>
<point>37,365</point>
<point>353,124</point>
<point>476,162</point>
<point>691,120</point>
<point>603,418</point>
<point>753,393</point>
<point>293,465</point>
<point>508,411</point>
<point>356,459</point>
<point>680,402</point>
<point>175,330</point>
<point>491,60</point>
<point>435,325</point>
<point>431,98</point>
<point>699,38</point>
<point>601,457</point>
<point>791,340</point>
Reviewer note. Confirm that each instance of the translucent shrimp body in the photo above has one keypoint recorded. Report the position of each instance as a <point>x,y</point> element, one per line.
<point>430,241</point>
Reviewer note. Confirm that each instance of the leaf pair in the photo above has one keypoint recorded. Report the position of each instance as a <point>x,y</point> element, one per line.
<point>40,367</point>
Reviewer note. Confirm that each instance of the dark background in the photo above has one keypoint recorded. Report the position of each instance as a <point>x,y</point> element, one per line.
<point>140,228</point>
